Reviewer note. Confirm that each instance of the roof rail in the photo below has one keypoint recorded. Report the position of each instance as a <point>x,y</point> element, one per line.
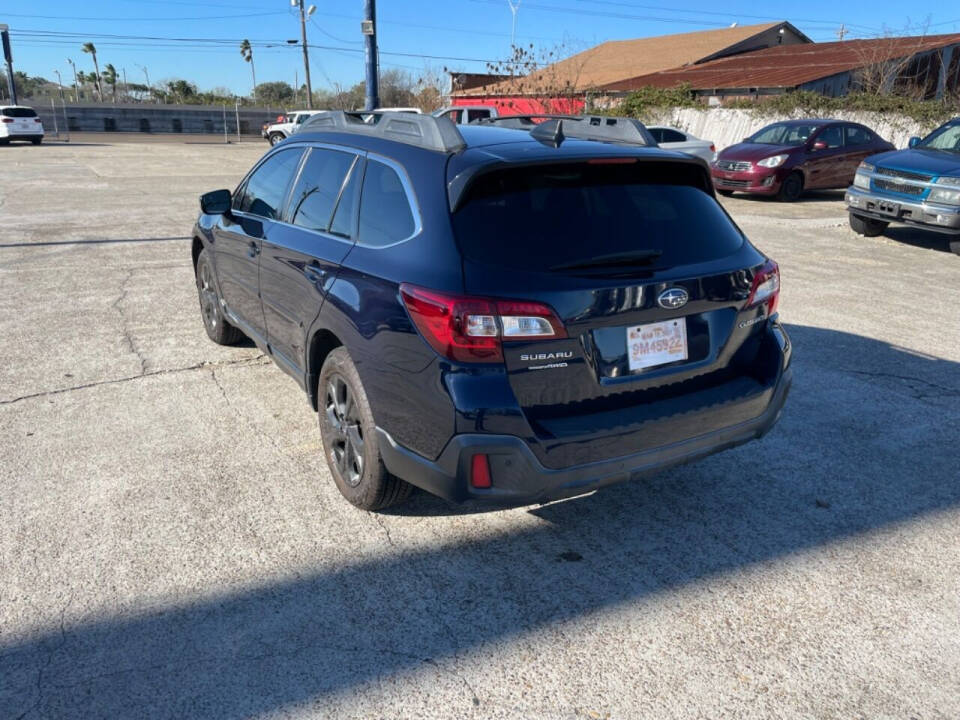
<point>425,131</point>
<point>553,129</point>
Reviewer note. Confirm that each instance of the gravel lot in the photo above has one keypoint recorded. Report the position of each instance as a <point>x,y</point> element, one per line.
<point>171,543</point>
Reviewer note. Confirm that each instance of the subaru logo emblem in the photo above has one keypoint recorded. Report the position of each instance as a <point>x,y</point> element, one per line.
<point>673,298</point>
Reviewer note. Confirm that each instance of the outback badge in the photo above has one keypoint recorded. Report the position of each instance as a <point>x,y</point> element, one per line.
<point>673,298</point>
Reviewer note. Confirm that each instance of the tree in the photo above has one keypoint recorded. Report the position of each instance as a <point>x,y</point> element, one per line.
<point>274,93</point>
<point>246,50</point>
<point>547,82</point>
<point>110,75</point>
<point>90,48</point>
<point>181,91</point>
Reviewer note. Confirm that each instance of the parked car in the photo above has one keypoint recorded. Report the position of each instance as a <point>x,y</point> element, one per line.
<point>287,126</point>
<point>465,114</point>
<point>265,128</point>
<point>18,122</point>
<point>919,186</point>
<point>475,310</point>
<point>671,138</point>
<point>786,158</point>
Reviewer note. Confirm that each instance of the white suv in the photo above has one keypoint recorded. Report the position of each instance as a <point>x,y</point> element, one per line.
<point>19,123</point>
<point>282,130</point>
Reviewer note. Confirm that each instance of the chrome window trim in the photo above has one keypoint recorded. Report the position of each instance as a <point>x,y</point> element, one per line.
<point>411,201</point>
<point>308,147</point>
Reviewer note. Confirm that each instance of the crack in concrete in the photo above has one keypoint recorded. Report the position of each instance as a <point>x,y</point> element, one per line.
<point>448,631</point>
<point>118,305</point>
<point>257,360</point>
<point>914,383</point>
<point>53,651</point>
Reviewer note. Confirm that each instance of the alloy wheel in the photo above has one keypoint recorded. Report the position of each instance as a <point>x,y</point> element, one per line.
<point>346,434</point>
<point>208,297</point>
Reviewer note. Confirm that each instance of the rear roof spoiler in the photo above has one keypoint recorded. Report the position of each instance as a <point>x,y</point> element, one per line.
<point>554,129</point>
<point>425,131</point>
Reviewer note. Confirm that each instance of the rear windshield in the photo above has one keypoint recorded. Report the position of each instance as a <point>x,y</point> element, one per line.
<point>537,218</point>
<point>19,112</point>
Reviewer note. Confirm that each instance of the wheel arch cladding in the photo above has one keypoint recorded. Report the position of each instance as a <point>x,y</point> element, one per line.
<point>321,344</point>
<point>197,249</point>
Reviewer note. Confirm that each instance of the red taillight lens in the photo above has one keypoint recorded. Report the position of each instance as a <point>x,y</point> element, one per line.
<point>766,287</point>
<point>713,148</point>
<point>480,471</point>
<point>470,329</point>
<point>36,119</point>
<point>7,120</point>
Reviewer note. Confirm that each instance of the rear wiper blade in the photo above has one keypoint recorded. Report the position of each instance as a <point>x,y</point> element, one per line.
<point>644,257</point>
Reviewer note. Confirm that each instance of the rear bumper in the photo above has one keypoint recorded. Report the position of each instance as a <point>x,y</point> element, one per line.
<point>520,478</point>
<point>942,218</point>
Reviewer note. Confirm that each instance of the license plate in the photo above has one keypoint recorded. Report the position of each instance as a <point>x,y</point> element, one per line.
<point>657,343</point>
<point>888,208</point>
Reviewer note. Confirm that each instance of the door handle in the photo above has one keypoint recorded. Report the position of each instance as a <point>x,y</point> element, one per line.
<point>315,273</point>
<point>253,250</point>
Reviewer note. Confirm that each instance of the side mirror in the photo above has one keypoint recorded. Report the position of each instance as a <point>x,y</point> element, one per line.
<point>818,145</point>
<point>216,202</point>
<point>914,141</point>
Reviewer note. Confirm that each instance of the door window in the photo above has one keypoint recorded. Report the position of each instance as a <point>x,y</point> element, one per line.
<point>672,136</point>
<point>266,188</point>
<point>832,136</point>
<point>858,136</point>
<point>315,194</point>
<point>385,214</point>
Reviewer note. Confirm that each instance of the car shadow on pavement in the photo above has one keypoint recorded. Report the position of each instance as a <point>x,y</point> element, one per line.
<point>865,444</point>
<point>917,237</point>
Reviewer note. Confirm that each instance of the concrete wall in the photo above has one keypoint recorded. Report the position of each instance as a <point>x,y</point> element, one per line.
<point>726,126</point>
<point>154,118</point>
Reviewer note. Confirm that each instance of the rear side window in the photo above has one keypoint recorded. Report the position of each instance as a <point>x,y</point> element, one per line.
<point>19,112</point>
<point>539,217</point>
<point>385,213</point>
<point>672,136</point>
<point>315,194</point>
<point>832,136</point>
<point>265,190</point>
<point>858,136</point>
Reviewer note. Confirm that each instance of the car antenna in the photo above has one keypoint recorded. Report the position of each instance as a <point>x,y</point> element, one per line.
<point>549,132</point>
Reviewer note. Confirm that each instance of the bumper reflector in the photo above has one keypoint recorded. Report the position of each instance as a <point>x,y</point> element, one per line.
<point>480,471</point>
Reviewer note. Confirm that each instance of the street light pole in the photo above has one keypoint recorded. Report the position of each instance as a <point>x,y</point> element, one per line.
<point>303,42</point>
<point>76,82</point>
<point>369,29</point>
<point>59,84</point>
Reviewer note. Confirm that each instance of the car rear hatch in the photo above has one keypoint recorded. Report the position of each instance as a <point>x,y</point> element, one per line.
<point>656,337</point>
<point>21,121</point>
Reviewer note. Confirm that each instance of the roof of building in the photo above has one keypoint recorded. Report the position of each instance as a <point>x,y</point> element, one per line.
<point>620,59</point>
<point>787,66</point>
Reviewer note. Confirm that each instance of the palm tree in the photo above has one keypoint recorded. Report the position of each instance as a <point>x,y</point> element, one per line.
<point>247,52</point>
<point>110,75</point>
<point>91,48</point>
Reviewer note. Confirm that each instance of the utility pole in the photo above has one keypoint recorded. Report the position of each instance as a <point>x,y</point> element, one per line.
<point>8,58</point>
<point>514,7</point>
<point>304,14</point>
<point>842,32</point>
<point>126,91</point>
<point>76,82</point>
<point>369,29</point>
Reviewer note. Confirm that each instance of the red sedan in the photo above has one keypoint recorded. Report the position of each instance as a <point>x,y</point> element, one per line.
<point>786,158</point>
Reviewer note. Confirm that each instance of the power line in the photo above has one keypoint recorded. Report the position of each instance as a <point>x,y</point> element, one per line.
<point>142,19</point>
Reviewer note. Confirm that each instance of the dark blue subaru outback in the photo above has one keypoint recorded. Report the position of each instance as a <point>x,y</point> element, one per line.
<point>515,312</point>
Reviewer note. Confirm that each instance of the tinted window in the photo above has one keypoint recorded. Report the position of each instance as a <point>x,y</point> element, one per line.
<point>832,136</point>
<point>19,112</point>
<point>535,218</point>
<point>858,135</point>
<point>317,190</point>
<point>657,134</point>
<point>347,206</point>
<point>385,215</point>
<point>477,114</point>
<point>672,136</point>
<point>265,190</point>
<point>784,134</point>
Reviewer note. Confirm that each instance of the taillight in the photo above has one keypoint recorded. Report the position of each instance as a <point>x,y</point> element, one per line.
<point>766,287</point>
<point>7,120</point>
<point>480,471</point>
<point>471,329</point>
<point>713,148</point>
<point>36,119</point>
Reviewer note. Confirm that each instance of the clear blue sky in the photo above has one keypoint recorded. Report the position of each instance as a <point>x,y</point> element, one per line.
<point>469,30</point>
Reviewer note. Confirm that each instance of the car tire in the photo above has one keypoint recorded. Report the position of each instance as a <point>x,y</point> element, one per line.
<point>867,227</point>
<point>349,435</point>
<point>216,325</point>
<point>36,140</point>
<point>4,141</point>
<point>725,193</point>
<point>274,138</point>
<point>791,188</point>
